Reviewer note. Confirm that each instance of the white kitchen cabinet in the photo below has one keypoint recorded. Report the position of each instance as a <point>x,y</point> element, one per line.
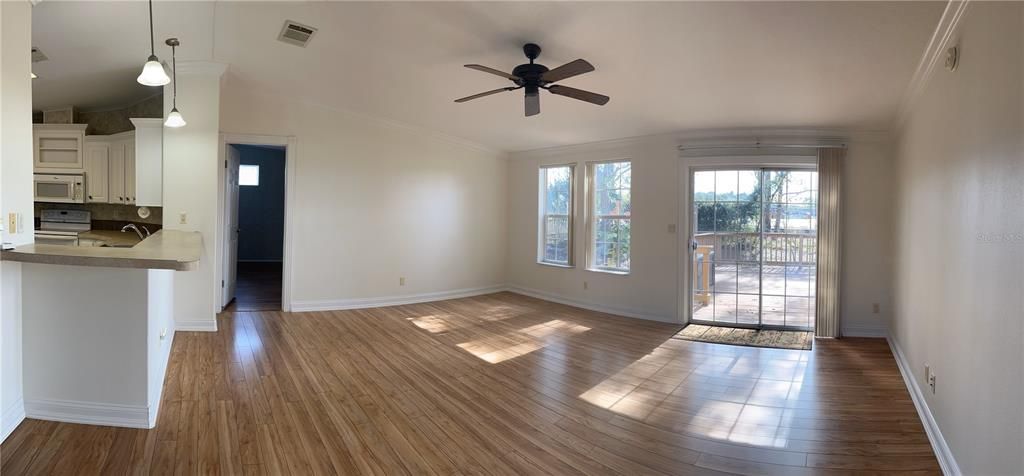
<point>126,168</point>
<point>97,166</point>
<point>148,162</point>
<point>129,172</point>
<point>115,176</point>
<point>110,168</point>
<point>58,147</point>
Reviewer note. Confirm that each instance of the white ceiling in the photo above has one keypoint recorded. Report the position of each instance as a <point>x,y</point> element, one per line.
<point>666,66</point>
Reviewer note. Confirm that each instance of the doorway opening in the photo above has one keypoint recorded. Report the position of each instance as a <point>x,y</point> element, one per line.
<point>254,216</point>
<point>754,240</point>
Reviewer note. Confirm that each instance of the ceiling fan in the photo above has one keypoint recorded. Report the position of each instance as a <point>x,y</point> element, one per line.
<point>533,77</point>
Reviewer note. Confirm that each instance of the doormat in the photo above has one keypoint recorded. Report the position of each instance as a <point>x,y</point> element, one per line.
<point>797,340</point>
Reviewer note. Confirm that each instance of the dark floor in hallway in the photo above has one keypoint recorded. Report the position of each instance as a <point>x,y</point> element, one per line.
<point>258,287</point>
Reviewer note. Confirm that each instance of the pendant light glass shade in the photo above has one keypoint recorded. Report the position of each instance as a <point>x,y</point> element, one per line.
<point>153,73</point>
<point>174,119</point>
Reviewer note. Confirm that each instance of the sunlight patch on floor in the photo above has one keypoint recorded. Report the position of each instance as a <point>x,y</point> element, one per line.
<point>745,397</point>
<point>499,348</point>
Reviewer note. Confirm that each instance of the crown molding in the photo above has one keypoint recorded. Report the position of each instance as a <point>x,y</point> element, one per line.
<point>738,136</point>
<point>946,34</point>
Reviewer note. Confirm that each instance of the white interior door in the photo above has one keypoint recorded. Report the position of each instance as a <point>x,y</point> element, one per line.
<point>231,223</point>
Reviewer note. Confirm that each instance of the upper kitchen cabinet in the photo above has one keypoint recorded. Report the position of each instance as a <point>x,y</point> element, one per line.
<point>58,147</point>
<point>126,168</point>
<point>147,187</point>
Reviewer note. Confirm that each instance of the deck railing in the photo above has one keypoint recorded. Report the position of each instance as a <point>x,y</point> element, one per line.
<point>779,248</point>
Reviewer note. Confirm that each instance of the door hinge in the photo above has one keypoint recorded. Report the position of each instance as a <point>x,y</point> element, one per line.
<point>225,163</point>
<point>222,283</point>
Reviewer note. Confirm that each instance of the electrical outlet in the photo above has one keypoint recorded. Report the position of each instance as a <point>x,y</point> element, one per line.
<point>183,218</point>
<point>875,308</point>
<point>163,333</point>
<point>584,285</point>
<point>672,228</point>
<point>401,281</point>
<point>931,382</point>
<point>12,223</point>
<point>929,377</point>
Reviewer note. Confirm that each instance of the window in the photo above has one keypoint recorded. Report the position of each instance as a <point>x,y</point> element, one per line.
<point>249,175</point>
<point>556,215</point>
<point>610,184</point>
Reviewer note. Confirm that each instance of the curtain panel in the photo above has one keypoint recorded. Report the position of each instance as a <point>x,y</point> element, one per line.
<point>830,164</point>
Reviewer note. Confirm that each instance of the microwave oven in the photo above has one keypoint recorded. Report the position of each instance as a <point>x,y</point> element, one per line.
<point>59,188</point>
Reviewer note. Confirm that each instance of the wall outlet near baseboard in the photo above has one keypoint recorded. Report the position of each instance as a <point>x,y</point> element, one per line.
<point>183,218</point>
<point>876,308</point>
<point>584,285</point>
<point>401,281</point>
<point>929,377</point>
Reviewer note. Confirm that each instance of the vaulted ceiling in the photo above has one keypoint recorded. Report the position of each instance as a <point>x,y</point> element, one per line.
<point>666,66</point>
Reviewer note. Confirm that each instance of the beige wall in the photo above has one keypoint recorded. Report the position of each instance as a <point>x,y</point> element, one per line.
<point>651,290</point>
<point>376,201</point>
<point>15,194</point>
<point>960,243</point>
<point>191,164</point>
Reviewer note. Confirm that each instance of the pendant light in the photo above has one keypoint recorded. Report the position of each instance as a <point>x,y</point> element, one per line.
<point>174,119</point>
<point>153,73</point>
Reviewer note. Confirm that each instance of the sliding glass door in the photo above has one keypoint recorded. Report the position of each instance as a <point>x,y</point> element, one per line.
<point>754,246</point>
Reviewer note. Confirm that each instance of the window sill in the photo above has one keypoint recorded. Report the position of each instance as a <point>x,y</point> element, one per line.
<point>608,271</point>
<point>555,265</point>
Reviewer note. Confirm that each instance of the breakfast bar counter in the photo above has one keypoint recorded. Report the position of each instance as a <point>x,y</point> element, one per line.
<point>98,323</point>
<point>166,249</point>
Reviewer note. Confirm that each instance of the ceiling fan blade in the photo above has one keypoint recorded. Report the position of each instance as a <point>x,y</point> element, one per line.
<point>532,104</point>
<point>567,70</point>
<point>580,94</point>
<point>492,71</point>
<point>486,93</point>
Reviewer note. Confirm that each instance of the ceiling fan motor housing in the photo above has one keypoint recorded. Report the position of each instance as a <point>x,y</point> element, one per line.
<point>531,76</point>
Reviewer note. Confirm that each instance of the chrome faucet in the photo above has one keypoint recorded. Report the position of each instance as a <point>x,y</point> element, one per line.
<point>131,226</point>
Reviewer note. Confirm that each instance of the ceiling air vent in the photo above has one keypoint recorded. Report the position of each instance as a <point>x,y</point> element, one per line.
<point>37,55</point>
<point>296,33</point>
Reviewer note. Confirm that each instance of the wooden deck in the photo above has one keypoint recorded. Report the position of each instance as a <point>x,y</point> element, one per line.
<point>497,384</point>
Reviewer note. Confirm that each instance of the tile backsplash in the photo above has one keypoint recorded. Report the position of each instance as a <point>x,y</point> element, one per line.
<point>106,216</point>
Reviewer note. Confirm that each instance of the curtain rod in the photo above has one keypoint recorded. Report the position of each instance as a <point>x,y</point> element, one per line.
<point>759,145</point>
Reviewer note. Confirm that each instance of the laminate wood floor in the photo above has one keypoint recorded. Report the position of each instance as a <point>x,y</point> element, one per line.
<point>496,384</point>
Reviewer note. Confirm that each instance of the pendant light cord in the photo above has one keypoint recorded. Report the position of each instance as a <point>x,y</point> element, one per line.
<point>174,83</point>
<point>152,44</point>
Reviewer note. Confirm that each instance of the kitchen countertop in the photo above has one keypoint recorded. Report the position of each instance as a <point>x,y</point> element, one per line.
<point>166,249</point>
<point>111,237</point>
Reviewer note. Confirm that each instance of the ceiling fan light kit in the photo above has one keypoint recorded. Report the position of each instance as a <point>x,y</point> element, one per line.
<point>533,77</point>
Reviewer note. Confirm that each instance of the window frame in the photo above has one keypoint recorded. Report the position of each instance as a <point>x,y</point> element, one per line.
<point>542,215</point>
<point>591,217</point>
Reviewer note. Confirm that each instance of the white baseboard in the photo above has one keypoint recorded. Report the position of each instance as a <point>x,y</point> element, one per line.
<point>942,452</point>
<point>11,418</point>
<point>536,293</point>
<point>128,416</point>
<point>165,358</point>
<point>197,325</point>
<point>343,304</point>
<point>864,331</point>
